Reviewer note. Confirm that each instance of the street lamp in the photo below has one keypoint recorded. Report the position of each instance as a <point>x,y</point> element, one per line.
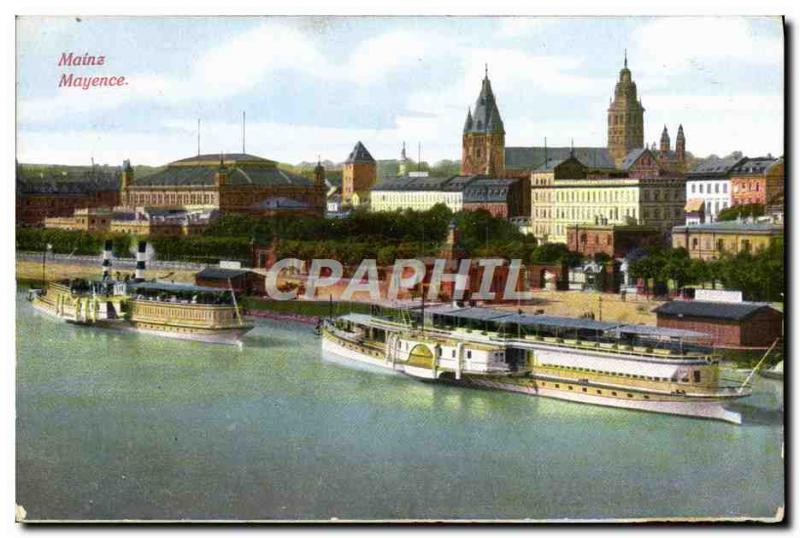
<point>48,247</point>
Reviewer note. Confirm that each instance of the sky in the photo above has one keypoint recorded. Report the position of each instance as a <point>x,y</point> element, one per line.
<point>313,86</point>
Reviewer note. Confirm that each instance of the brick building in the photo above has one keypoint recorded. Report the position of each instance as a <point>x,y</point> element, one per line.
<point>729,324</point>
<point>757,181</point>
<point>233,183</point>
<point>610,239</point>
<point>59,193</point>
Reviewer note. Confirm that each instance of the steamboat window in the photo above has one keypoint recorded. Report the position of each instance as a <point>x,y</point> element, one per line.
<point>613,393</point>
<point>697,376</point>
<point>599,391</point>
<point>646,397</point>
<point>584,389</point>
<point>558,386</point>
<point>569,387</point>
<point>630,395</point>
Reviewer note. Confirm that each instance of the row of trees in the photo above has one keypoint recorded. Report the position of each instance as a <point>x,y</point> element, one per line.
<point>759,275</point>
<point>411,232</point>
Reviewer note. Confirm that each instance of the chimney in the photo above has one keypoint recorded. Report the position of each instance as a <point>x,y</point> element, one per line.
<point>141,256</point>
<point>109,245</point>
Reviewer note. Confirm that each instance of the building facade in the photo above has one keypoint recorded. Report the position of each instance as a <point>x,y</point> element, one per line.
<point>502,197</point>
<point>731,325</point>
<point>757,181</point>
<point>234,183</point>
<point>58,194</point>
<point>709,184</point>
<point>711,240</point>
<point>613,240</point>
<point>608,199</point>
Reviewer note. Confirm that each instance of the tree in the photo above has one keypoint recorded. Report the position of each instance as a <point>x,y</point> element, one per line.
<point>741,211</point>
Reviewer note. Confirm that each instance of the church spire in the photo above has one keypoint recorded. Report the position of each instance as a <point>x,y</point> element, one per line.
<point>626,59</point>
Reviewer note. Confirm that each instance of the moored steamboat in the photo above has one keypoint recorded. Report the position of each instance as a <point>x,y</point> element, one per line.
<point>612,364</point>
<point>173,310</point>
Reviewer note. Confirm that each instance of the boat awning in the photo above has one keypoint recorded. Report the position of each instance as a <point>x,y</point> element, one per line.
<point>174,287</point>
<point>657,332</point>
<point>560,322</point>
<point>475,314</point>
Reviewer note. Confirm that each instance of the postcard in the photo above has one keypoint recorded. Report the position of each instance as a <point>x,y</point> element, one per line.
<point>400,269</point>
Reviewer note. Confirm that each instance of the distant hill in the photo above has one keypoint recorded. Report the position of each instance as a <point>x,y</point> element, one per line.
<point>64,172</point>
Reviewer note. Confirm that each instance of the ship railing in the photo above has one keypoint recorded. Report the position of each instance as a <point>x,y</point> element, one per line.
<point>606,347</point>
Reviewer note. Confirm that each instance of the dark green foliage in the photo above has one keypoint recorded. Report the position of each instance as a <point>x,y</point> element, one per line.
<point>760,275</point>
<point>71,242</point>
<point>746,210</point>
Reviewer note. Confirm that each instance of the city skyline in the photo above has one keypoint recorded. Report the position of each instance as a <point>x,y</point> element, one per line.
<point>383,80</point>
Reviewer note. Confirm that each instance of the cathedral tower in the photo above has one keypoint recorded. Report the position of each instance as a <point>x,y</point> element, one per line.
<point>484,138</point>
<point>625,117</point>
<point>680,145</point>
<point>665,142</point>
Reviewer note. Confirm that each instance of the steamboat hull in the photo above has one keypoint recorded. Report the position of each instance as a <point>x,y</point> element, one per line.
<point>228,335</point>
<point>697,407</point>
<point>685,406</point>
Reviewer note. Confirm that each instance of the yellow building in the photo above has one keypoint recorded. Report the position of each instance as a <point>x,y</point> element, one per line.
<point>607,198</point>
<point>710,241</point>
<point>87,219</point>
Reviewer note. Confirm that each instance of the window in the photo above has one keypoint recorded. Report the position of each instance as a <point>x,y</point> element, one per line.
<point>697,376</point>
<point>584,389</point>
<point>469,353</point>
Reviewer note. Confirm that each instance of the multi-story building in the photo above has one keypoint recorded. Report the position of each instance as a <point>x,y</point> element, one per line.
<point>711,240</point>
<point>502,197</point>
<point>612,199</point>
<point>55,193</point>
<point>757,181</point>
<point>709,184</point>
<point>358,176</point>
<point>233,183</point>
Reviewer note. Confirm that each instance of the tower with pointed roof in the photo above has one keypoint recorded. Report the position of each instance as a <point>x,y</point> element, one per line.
<point>358,174</point>
<point>664,143</point>
<point>625,117</point>
<point>680,146</point>
<point>484,137</point>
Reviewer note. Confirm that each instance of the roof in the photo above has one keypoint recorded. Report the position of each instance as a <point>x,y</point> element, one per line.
<point>632,156</point>
<point>227,158</point>
<point>238,174</point>
<point>664,332</point>
<point>484,190</point>
<point>531,158</point>
<point>359,154</point>
<point>172,287</point>
<point>758,165</point>
<point>715,167</point>
<point>710,309</point>
<point>67,184</point>
<point>218,273</point>
<point>485,118</point>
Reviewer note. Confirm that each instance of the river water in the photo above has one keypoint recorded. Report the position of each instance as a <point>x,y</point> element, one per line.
<point>117,425</point>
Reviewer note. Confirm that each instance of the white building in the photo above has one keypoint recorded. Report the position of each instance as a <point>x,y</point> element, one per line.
<point>710,183</point>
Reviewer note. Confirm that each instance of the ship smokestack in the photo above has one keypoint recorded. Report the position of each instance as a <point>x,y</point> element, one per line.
<point>141,255</point>
<point>107,259</point>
